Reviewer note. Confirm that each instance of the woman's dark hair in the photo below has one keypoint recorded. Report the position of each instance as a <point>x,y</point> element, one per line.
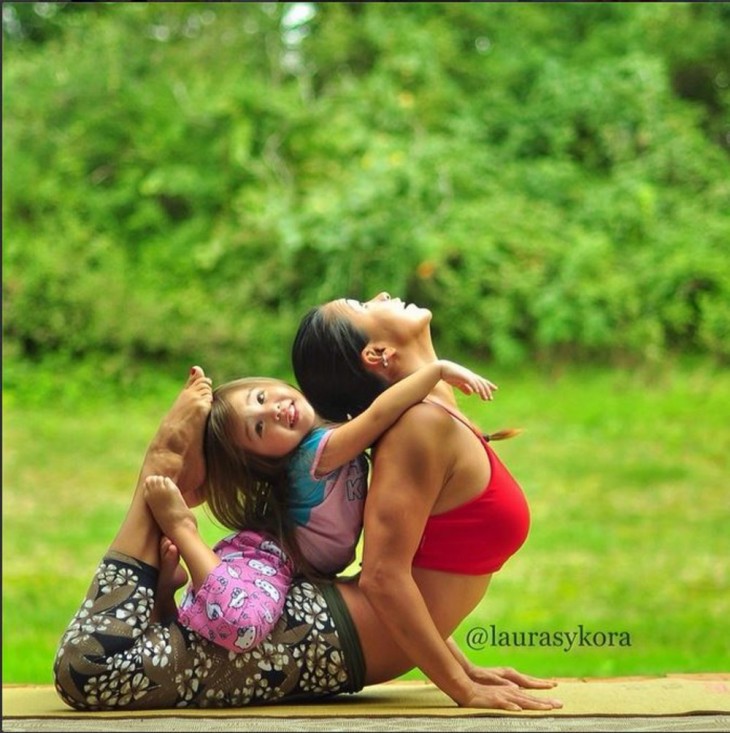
<point>327,363</point>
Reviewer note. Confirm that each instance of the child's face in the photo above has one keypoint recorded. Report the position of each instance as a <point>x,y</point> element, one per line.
<point>273,418</point>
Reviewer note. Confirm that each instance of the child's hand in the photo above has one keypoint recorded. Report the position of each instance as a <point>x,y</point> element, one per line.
<point>466,380</point>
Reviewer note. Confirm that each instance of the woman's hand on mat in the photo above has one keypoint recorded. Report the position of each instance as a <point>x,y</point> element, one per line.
<point>507,676</point>
<point>501,687</point>
<point>507,697</point>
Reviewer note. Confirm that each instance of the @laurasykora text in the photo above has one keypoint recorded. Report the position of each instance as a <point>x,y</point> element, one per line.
<point>479,637</point>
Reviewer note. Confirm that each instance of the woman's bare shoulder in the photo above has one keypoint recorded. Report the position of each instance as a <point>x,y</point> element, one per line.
<point>412,459</point>
<point>422,422</point>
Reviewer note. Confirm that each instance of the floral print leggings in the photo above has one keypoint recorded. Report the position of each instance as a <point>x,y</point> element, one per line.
<point>113,658</point>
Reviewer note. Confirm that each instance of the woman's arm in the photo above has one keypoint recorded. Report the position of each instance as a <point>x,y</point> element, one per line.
<point>408,473</point>
<point>351,438</point>
<point>411,466</point>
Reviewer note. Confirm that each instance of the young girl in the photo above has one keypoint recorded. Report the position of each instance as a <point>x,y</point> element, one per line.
<point>283,478</point>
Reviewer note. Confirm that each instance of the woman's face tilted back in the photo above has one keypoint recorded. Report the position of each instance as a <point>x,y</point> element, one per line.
<point>327,352</point>
<point>384,319</point>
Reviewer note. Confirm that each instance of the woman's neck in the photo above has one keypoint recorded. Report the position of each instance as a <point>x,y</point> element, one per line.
<point>415,358</point>
<point>406,362</point>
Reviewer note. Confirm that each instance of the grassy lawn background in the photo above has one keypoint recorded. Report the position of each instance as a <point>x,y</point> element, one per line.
<point>626,473</point>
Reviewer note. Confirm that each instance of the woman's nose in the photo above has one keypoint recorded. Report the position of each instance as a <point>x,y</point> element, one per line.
<point>383,296</point>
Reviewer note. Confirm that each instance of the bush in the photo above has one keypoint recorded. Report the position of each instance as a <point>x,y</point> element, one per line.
<point>184,181</point>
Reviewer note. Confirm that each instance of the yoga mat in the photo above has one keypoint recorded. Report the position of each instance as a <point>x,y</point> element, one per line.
<point>631,696</point>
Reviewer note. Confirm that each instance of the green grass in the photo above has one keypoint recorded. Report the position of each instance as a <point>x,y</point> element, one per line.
<point>626,475</point>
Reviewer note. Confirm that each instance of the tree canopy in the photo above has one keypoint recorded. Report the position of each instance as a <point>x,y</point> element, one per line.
<point>182,181</point>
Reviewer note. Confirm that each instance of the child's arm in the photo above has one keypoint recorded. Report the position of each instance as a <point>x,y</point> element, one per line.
<point>350,439</point>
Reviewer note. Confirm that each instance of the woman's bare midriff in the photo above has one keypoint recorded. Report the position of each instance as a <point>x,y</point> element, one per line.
<point>449,597</point>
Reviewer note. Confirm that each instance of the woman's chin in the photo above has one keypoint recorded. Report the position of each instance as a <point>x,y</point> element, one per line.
<point>425,314</point>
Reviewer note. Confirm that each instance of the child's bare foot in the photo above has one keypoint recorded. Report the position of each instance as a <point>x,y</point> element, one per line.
<point>172,576</point>
<point>176,450</point>
<point>168,506</point>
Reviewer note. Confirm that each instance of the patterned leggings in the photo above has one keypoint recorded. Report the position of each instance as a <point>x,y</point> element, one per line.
<point>112,657</point>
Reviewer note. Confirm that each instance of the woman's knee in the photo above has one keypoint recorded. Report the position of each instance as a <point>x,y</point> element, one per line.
<point>69,657</point>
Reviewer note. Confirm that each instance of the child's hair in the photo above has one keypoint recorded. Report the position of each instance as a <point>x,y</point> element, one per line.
<point>245,491</point>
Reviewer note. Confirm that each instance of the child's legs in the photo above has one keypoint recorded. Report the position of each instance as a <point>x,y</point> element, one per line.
<point>242,599</point>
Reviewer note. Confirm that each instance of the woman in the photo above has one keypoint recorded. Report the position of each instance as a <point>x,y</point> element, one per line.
<point>442,512</point>
<point>120,653</point>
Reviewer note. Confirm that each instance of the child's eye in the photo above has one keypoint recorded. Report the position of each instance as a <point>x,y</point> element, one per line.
<point>259,428</point>
<point>261,397</point>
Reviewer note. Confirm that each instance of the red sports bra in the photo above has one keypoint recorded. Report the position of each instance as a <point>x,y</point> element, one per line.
<point>477,537</point>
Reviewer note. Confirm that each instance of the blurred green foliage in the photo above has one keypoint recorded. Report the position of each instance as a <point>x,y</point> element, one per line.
<point>182,181</point>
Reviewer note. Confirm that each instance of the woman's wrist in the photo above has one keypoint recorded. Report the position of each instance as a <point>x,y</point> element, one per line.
<point>463,690</point>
